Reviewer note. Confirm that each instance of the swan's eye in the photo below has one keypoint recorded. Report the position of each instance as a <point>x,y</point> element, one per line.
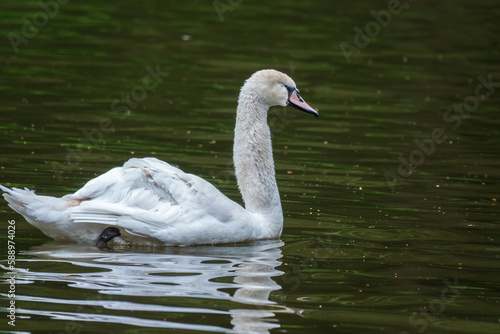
<point>290,89</point>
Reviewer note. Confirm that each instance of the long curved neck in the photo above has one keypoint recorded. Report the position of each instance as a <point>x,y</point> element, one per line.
<point>253,158</point>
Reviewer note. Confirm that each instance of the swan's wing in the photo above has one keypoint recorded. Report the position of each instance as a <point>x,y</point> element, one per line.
<point>146,197</point>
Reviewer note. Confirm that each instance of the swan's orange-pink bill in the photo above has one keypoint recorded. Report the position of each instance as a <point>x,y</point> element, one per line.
<point>298,102</point>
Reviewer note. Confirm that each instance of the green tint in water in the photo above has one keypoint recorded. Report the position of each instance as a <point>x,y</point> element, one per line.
<point>372,242</point>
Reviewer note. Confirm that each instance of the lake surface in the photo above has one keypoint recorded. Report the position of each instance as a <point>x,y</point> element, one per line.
<point>390,197</point>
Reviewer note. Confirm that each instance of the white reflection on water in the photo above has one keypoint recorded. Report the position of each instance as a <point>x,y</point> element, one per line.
<point>208,272</point>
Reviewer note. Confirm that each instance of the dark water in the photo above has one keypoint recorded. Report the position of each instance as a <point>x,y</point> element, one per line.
<point>390,197</point>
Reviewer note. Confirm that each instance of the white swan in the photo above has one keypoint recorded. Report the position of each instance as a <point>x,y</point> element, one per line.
<point>149,202</point>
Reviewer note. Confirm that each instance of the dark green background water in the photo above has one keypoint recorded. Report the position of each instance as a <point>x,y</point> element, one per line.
<point>365,248</point>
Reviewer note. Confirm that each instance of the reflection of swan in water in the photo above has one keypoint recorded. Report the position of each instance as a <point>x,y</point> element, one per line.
<point>193,274</point>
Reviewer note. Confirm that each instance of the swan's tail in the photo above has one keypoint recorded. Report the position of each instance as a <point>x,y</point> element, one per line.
<point>63,219</point>
<point>44,212</point>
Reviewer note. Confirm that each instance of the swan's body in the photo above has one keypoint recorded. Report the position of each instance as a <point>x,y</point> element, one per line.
<point>151,202</point>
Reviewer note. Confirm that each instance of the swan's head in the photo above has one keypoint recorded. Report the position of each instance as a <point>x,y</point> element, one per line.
<point>274,88</point>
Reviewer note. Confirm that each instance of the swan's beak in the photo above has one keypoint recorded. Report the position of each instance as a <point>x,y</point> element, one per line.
<point>298,103</point>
